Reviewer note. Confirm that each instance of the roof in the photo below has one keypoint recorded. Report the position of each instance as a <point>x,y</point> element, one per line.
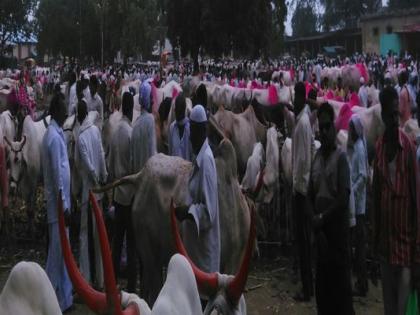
<point>386,13</point>
<point>343,32</point>
<point>22,38</point>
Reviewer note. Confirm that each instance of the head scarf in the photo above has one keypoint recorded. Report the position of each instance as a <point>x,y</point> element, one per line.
<point>144,97</point>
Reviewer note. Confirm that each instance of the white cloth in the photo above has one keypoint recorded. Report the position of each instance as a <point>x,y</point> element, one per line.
<point>302,152</point>
<point>180,146</point>
<point>92,166</point>
<point>120,160</point>
<point>72,100</point>
<point>202,237</point>
<point>198,114</point>
<point>363,96</point>
<point>143,141</point>
<point>95,104</point>
<point>56,171</point>
<point>86,93</point>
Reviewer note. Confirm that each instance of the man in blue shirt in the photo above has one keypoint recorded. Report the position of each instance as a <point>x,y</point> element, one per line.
<point>56,170</point>
<point>179,132</point>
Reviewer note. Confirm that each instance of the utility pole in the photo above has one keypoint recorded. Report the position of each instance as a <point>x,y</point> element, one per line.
<point>80,31</point>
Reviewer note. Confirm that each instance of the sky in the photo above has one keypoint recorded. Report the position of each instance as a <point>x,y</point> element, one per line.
<point>288,22</point>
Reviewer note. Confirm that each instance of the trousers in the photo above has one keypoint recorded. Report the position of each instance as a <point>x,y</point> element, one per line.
<point>303,238</point>
<point>56,268</point>
<point>86,248</point>
<point>396,287</point>
<point>123,225</point>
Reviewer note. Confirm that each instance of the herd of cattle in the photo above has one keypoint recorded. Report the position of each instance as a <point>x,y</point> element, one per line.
<point>248,158</point>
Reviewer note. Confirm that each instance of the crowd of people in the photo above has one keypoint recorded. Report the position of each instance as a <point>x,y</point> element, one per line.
<point>335,198</point>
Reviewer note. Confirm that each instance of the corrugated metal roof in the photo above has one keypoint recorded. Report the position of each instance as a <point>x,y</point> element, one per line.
<point>22,38</point>
<point>387,13</point>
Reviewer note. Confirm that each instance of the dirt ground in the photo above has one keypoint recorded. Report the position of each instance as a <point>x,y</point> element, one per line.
<point>270,288</point>
<point>271,285</point>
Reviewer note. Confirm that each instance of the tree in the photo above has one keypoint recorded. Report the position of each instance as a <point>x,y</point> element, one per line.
<point>221,26</point>
<point>402,4</point>
<point>129,26</point>
<point>304,20</point>
<point>345,13</point>
<point>70,28</point>
<point>14,20</point>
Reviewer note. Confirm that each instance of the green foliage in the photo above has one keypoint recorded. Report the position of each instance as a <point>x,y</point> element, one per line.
<point>345,13</point>
<point>217,27</point>
<point>128,25</point>
<point>304,20</point>
<point>14,20</point>
<point>248,27</point>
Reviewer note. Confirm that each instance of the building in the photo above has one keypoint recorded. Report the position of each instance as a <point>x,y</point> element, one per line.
<point>22,47</point>
<point>398,31</point>
<point>349,39</point>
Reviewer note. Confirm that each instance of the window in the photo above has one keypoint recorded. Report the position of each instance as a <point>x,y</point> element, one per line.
<point>375,31</point>
<point>389,29</point>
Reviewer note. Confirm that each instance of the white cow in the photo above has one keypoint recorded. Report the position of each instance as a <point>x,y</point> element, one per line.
<point>8,126</point>
<point>28,291</point>
<point>26,163</point>
<point>244,130</point>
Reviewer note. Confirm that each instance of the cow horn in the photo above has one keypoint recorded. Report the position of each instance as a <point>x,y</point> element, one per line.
<point>109,277</point>
<point>237,285</point>
<point>207,283</point>
<point>95,300</point>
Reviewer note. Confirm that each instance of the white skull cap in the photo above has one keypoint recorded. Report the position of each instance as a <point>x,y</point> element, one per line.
<point>198,114</point>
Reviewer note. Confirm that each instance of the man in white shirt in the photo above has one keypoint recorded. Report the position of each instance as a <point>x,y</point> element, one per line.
<point>120,165</point>
<point>143,144</point>
<point>56,174</point>
<point>91,159</point>
<point>363,93</point>
<point>72,94</point>
<point>201,217</point>
<point>94,101</point>
<point>179,143</point>
<point>302,146</point>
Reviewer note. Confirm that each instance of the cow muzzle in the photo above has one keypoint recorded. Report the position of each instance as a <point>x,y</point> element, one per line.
<point>209,284</point>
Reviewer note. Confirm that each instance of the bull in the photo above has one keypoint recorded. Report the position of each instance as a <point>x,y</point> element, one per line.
<point>183,286</point>
<point>163,177</point>
<point>26,164</point>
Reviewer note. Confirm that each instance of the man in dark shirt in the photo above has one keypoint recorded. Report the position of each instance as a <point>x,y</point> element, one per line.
<point>395,210</point>
<point>329,191</point>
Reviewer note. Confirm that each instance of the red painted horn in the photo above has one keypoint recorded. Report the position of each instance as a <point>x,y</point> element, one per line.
<point>237,285</point>
<point>95,300</point>
<point>113,298</point>
<point>207,283</point>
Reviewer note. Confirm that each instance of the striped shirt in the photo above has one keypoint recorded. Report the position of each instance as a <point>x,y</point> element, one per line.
<point>396,214</point>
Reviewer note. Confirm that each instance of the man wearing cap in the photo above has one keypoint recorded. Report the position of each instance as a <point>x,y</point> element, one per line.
<point>143,142</point>
<point>201,228</point>
<point>179,143</point>
<point>363,93</point>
